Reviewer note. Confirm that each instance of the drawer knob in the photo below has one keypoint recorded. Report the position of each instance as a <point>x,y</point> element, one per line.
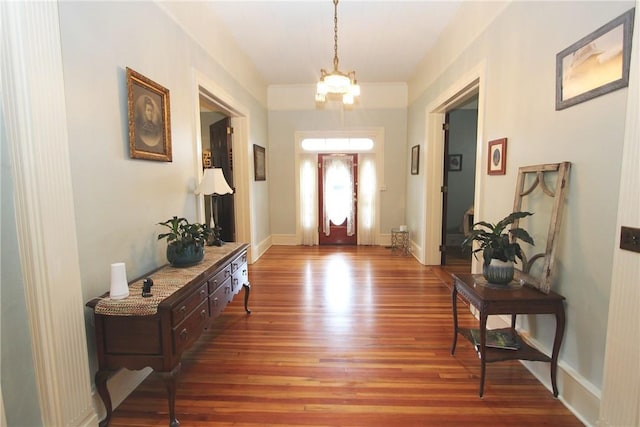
<point>215,302</point>
<point>203,294</point>
<point>184,334</point>
<point>203,313</point>
<point>182,310</point>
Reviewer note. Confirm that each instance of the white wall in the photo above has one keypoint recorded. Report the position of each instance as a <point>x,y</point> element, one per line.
<point>519,49</point>
<point>118,200</point>
<point>282,128</point>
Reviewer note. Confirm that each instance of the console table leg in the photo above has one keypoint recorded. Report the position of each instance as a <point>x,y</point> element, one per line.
<point>454,309</point>
<point>170,380</point>
<point>483,350</point>
<point>103,391</point>
<point>556,347</point>
<point>247,290</point>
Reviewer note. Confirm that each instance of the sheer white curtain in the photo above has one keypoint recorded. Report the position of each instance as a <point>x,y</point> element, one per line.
<point>309,199</point>
<point>338,193</point>
<point>367,199</point>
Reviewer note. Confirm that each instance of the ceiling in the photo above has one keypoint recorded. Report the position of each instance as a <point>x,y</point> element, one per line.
<point>290,41</point>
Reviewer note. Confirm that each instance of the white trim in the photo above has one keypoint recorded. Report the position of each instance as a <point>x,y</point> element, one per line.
<point>376,134</point>
<point>242,153</point>
<point>431,210</point>
<point>38,141</point>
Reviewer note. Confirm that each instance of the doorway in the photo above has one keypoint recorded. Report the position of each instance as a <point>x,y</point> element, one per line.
<point>337,196</point>
<point>460,147</point>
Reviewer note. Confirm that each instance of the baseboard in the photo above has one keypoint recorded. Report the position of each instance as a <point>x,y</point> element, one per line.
<point>120,385</point>
<point>576,393</point>
<point>259,249</point>
<point>284,240</point>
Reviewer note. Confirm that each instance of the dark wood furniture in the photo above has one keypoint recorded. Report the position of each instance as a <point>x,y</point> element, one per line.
<point>137,332</point>
<point>513,300</point>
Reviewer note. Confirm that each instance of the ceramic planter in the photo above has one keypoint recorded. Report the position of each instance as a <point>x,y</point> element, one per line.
<point>498,272</point>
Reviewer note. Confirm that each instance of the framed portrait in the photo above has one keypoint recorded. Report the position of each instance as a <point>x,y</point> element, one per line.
<point>455,162</point>
<point>259,163</point>
<point>415,160</point>
<point>596,64</point>
<point>497,162</point>
<point>149,118</point>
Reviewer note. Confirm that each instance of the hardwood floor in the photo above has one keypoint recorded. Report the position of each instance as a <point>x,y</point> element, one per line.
<point>342,336</point>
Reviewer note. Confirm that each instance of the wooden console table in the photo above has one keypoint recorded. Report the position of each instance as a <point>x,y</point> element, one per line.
<point>137,332</point>
<point>513,301</point>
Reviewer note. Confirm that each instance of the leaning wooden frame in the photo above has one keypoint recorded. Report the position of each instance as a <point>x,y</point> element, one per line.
<point>540,172</point>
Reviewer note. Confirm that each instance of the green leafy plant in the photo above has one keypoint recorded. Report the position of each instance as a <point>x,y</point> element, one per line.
<point>497,243</point>
<point>183,234</point>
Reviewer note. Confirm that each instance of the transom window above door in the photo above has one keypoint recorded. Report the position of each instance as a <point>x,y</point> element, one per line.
<point>337,144</point>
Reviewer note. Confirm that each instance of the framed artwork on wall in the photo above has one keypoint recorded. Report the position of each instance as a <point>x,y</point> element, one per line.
<point>497,159</point>
<point>149,118</point>
<point>596,64</point>
<point>455,162</point>
<point>415,159</point>
<point>259,168</point>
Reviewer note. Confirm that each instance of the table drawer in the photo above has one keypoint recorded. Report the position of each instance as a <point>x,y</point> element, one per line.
<point>185,334</point>
<point>219,278</point>
<point>219,299</point>
<point>239,279</point>
<point>186,306</point>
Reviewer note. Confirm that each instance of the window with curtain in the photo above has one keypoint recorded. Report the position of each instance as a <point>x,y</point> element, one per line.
<point>338,193</point>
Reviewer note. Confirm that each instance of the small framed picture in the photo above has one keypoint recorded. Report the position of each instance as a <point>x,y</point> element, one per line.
<point>149,118</point>
<point>596,64</point>
<point>259,168</point>
<point>415,160</point>
<point>497,162</point>
<point>455,162</point>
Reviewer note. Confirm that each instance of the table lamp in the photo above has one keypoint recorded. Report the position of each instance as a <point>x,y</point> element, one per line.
<point>214,184</point>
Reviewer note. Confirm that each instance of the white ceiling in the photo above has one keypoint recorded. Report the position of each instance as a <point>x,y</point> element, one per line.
<point>290,41</point>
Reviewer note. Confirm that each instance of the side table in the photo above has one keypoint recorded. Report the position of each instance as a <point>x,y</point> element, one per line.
<point>400,240</point>
<point>511,300</point>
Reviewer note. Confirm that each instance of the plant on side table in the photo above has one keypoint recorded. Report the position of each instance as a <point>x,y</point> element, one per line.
<point>186,241</point>
<point>499,247</point>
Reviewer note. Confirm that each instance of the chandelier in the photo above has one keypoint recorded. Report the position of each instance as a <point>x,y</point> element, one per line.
<point>337,83</point>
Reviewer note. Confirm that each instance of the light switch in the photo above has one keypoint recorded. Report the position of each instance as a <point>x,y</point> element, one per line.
<point>630,239</point>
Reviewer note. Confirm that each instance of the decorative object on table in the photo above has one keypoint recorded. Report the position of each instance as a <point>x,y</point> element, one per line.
<point>415,159</point>
<point>146,287</point>
<point>504,339</point>
<point>119,286</point>
<point>337,83</point>
<point>185,241</point>
<point>213,184</point>
<point>455,162</point>
<point>596,64</point>
<point>497,159</point>
<point>149,118</point>
<point>499,247</point>
<point>259,163</point>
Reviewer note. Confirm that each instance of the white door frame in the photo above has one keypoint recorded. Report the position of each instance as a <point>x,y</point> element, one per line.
<point>468,85</point>
<point>239,115</point>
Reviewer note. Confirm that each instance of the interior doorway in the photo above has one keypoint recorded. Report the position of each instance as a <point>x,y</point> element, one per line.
<point>337,197</point>
<point>459,171</point>
<point>217,152</point>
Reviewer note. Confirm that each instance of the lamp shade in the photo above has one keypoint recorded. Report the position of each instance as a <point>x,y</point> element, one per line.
<point>213,182</point>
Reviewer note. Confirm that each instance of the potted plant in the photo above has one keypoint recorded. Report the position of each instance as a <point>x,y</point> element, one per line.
<point>186,241</point>
<point>499,247</point>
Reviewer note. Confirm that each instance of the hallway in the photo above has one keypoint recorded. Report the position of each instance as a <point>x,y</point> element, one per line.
<point>342,336</point>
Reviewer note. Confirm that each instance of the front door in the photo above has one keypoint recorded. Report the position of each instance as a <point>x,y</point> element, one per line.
<point>337,195</point>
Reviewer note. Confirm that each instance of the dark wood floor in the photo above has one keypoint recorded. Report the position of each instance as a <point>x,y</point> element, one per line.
<point>343,336</point>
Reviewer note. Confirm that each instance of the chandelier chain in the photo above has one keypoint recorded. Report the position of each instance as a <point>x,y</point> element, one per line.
<point>335,35</point>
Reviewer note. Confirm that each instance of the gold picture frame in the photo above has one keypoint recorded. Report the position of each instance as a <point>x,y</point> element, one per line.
<point>149,118</point>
